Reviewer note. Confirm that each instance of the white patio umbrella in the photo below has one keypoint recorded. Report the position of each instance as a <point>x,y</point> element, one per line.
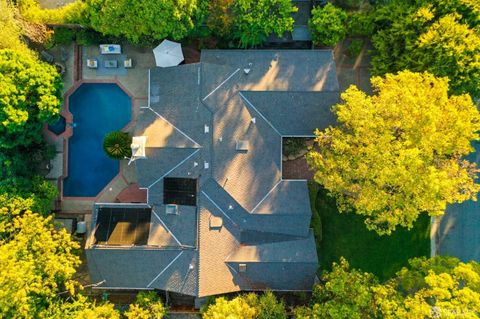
<point>168,53</point>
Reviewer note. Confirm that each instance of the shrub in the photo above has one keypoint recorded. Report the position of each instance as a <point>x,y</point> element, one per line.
<point>255,20</point>
<point>117,145</point>
<point>355,47</point>
<point>70,13</point>
<point>270,308</point>
<point>235,308</point>
<point>89,37</point>
<point>328,25</point>
<point>147,305</point>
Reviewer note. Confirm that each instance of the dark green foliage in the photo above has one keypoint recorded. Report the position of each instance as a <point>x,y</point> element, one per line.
<point>355,47</point>
<point>117,145</point>
<point>21,194</point>
<point>24,161</point>
<point>293,145</point>
<point>441,37</point>
<point>255,20</point>
<point>360,23</point>
<point>328,25</point>
<point>142,21</point>
<point>88,37</point>
<point>63,35</point>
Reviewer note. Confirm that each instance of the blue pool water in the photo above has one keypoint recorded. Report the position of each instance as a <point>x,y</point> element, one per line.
<point>97,109</point>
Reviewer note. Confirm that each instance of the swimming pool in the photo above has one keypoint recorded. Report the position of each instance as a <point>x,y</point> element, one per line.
<point>97,109</point>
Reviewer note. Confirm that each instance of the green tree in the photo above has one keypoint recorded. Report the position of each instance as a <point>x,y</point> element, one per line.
<point>439,287</point>
<point>328,25</point>
<point>237,308</point>
<point>19,195</point>
<point>345,293</point>
<point>30,96</point>
<point>255,20</point>
<point>142,20</point>
<point>399,152</point>
<point>441,37</point>
<point>147,306</point>
<point>36,264</point>
<point>117,145</point>
<point>267,305</point>
<point>220,19</point>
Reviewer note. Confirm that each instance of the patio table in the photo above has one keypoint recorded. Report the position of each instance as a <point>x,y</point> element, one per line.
<point>110,63</point>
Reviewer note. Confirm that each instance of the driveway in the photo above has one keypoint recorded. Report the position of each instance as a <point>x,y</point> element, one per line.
<point>459,229</point>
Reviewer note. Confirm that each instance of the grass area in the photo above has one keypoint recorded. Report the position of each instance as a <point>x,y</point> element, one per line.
<point>346,235</point>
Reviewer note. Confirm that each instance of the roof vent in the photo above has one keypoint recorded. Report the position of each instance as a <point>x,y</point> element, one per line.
<point>171,209</point>
<point>254,120</point>
<point>215,222</point>
<point>206,129</point>
<point>242,145</point>
<point>248,69</point>
<point>242,267</point>
<point>195,164</point>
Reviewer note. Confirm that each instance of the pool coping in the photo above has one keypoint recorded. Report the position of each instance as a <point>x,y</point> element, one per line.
<point>69,132</point>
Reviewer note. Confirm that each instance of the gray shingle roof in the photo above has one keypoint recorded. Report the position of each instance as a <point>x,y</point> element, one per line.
<point>245,212</point>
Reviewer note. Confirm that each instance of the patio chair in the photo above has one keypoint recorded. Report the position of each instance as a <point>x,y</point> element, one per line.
<point>128,63</point>
<point>92,63</point>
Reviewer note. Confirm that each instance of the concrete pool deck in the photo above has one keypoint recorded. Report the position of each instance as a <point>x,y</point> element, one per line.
<point>135,82</point>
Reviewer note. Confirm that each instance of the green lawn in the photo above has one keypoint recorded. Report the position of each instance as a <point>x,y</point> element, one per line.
<point>346,235</point>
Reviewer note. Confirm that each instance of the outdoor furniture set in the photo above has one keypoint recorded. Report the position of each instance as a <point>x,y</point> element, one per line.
<point>110,49</point>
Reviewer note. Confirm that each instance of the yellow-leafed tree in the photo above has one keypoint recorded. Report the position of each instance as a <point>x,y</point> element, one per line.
<point>400,151</point>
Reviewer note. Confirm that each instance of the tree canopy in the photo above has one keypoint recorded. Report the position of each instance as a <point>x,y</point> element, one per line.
<point>399,152</point>
<point>142,20</point>
<point>439,287</point>
<point>442,37</point>
<point>30,96</point>
<point>235,308</point>
<point>346,293</point>
<point>255,20</point>
<point>147,306</point>
<point>36,263</point>
<point>328,25</point>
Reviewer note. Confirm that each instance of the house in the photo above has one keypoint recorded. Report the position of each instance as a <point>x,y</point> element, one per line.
<point>219,218</point>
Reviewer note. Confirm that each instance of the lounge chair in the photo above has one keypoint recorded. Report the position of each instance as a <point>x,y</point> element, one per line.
<point>128,63</point>
<point>92,63</point>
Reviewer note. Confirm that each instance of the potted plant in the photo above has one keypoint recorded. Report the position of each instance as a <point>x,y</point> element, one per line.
<point>117,145</point>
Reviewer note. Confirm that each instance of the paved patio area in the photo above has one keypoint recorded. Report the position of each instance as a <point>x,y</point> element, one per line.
<point>135,80</point>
